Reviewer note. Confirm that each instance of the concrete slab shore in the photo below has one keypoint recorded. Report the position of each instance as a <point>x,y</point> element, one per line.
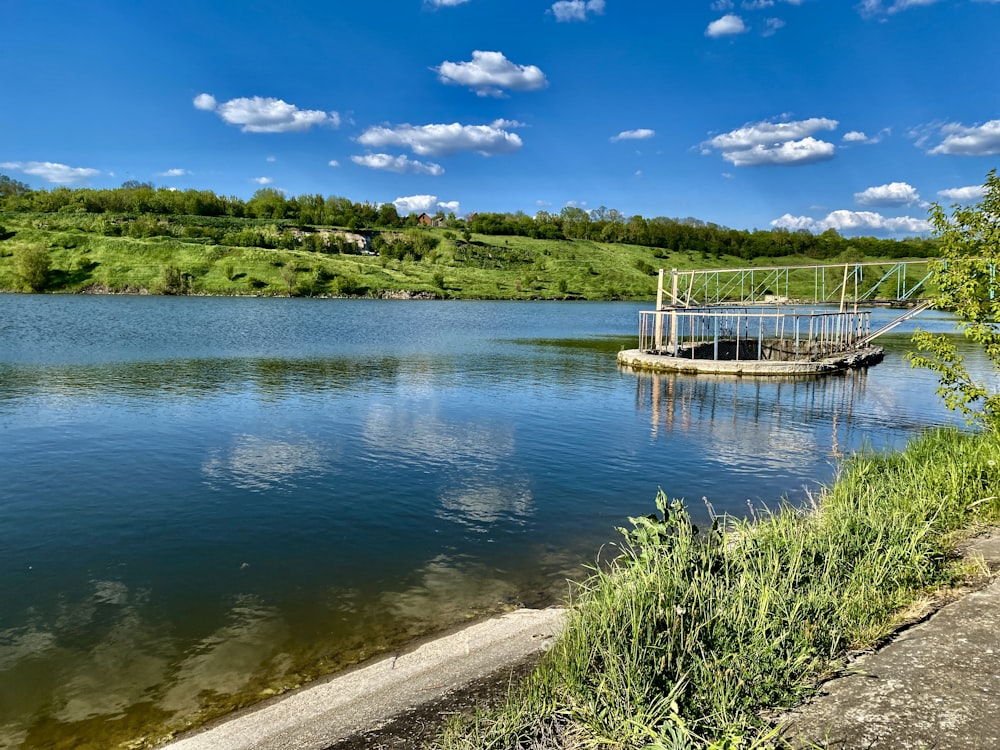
<point>936,685</point>
<point>327,712</point>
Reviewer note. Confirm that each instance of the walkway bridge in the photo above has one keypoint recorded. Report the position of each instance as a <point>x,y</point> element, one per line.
<point>878,282</point>
<point>792,315</point>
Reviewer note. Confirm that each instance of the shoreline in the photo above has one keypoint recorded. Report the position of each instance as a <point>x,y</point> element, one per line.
<point>346,705</point>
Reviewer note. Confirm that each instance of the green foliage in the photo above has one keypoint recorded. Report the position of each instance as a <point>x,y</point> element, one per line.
<point>290,275</point>
<point>32,265</point>
<point>686,638</point>
<point>412,245</point>
<point>968,281</point>
<point>174,281</point>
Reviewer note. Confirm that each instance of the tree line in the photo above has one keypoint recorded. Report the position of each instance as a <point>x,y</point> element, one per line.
<point>693,235</point>
<point>599,225</point>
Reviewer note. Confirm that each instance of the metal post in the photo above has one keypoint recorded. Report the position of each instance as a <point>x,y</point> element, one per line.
<point>658,324</point>
<point>673,314</point>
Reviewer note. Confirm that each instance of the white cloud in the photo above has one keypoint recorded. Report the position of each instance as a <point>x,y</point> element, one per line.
<point>415,203</point>
<point>263,180</point>
<point>444,3</point>
<point>333,163</point>
<point>877,7</point>
<point>51,171</point>
<point>756,4</point>
<point>726,26</point>
<point>576,10</point>
<point>977,140</point>
<point>452,206</point>
<point>260,114</point>
<point>505,124</point>
<point>772,26</point>
<point>774,143</point>
<point>490,73</point>
<point>858,136</point>
<point>633,135</point>
<point>271,159</point>
<point>964,194</point>
<point>173,173</point>
<point>855,222</point>
<point>443,140</point>
<point>399,164</point>
<point>768,133</point>
<point>789,153</point>
<point>206,102</point>
<point>892,194</point>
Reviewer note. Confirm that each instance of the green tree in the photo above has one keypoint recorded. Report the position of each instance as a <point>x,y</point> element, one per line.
<point>268,203</point>
<point>11,191</point>
<point>32,265</point>
<point>290,275</point>
<point>968,280</point>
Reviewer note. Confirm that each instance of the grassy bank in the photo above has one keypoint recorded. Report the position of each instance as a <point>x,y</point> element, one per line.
<point>691,636</point>
<point>222,256</point>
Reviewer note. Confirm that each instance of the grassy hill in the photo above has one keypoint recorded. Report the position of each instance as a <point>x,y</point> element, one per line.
<point>100,253</point>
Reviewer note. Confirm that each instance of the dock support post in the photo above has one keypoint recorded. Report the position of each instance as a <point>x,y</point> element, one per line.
<point>658,323</point>
<point>673,314</point>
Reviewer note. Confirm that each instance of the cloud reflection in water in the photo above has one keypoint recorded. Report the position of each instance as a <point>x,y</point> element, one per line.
<point>259,463</point>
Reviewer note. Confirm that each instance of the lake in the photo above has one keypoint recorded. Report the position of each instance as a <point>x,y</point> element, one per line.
<point>204,501</point>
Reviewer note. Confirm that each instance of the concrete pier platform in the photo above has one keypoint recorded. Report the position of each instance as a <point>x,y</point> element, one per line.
<point>640,360</point>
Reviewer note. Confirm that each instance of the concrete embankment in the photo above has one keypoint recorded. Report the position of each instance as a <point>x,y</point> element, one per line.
<point>364,698</point>
<point>936,685</point>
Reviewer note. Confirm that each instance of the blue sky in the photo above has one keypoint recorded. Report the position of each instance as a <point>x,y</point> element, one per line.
<point>798,113</point>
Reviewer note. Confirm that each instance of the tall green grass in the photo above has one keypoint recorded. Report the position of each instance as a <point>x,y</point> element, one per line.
<point>689,638</point>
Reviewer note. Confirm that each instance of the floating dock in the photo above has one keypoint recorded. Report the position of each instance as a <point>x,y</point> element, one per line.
<point>761,335</point>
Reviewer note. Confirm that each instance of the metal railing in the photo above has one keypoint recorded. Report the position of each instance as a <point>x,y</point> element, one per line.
<point>747,333</point>
<point>826,283</point>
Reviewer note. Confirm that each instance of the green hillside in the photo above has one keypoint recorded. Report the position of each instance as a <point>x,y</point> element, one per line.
<point>78,252</point>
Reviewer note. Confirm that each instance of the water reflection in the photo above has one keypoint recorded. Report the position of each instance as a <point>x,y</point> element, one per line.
<point>682,403</point>
<point>420,435</point>
<point>479,506</point>
<point>447,589</point>
<point>180,379</point>
<point>228,660</point>
<point>258,463</point>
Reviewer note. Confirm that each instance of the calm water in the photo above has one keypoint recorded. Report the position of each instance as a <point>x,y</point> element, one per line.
<point>206,500</point>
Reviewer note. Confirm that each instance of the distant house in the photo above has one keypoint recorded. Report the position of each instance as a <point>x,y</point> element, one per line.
<point>425,220</point>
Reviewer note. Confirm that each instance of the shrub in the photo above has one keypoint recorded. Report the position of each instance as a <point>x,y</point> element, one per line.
<point>32,265</point>
<point>174,281</point>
